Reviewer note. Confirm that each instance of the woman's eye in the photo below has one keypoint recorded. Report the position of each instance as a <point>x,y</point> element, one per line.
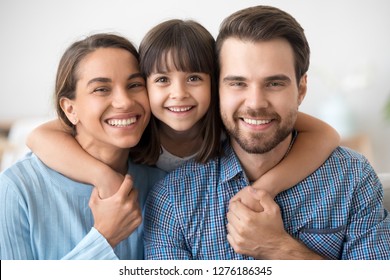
<point>101,90</point>
<point>135,85</point>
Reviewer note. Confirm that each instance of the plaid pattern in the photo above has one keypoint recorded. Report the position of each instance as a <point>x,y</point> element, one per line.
<point>337,211</point>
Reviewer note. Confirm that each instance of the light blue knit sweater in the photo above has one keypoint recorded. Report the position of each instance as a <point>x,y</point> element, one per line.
<point>44,215</point>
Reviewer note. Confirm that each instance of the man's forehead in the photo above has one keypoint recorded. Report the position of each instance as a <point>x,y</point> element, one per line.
<point>240,58</point>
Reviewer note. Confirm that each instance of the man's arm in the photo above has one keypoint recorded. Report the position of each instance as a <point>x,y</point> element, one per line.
<point>369,223</point>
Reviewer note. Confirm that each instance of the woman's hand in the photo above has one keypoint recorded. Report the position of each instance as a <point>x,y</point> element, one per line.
<point>119,215</point>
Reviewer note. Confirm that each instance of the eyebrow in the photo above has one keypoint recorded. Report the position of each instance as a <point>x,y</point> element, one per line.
<point>108,80</point>
<point>233,78</point>
<point>280,77</point>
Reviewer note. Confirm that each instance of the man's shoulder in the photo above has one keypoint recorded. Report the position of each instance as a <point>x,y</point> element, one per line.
<point>192,167</point>
<point>215,169</point>
<point>344,162</point>
<point>347,155</point>
<point>192,173</point>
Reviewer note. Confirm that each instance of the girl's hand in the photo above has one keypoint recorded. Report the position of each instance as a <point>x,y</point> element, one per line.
<point>246,197</point>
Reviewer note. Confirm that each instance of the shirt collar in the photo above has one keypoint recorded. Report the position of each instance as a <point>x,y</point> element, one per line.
<point>230,165</point>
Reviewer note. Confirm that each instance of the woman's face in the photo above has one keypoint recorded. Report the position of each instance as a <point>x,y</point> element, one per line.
<point>111,105</point>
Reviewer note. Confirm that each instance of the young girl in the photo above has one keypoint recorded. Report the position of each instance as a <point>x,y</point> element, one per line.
<point>45,215</point>
<point>178,60</point>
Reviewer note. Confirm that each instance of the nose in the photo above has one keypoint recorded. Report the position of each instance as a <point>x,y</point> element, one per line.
<point>178,90</point>
<point>256,98</point>
<point>121,99</point>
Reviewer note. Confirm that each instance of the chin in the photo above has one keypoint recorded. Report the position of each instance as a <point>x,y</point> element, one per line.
<point>128,143</point>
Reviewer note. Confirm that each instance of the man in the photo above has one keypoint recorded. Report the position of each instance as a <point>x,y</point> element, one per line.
<point>204,211</point>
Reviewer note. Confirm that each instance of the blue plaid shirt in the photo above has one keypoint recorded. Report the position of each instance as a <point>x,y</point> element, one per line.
<point>337,211</point>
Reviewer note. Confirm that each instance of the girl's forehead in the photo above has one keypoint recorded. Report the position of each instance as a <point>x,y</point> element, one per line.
<point>174,60</point>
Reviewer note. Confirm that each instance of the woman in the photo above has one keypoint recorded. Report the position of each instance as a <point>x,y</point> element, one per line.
<point>101,97</point>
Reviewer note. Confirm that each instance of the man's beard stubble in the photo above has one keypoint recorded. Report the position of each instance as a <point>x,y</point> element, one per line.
<point>260,143</point>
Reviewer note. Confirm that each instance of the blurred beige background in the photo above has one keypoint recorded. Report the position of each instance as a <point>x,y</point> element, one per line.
<point>348,77</point>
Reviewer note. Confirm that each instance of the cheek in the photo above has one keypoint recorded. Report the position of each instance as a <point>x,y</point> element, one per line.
<point>155,105</point>
<point>228,103</point>
<point>143,100</point>
<point>287,109</point>
<point>89,109</point>
<point>205,99</point>
<point>156,99</point>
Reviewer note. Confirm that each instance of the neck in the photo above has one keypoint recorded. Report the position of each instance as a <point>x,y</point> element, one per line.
<point>256,165</point>
<point>181,143</point>
<point>114,157</point>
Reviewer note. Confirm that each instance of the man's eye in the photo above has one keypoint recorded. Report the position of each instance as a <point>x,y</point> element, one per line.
<point>237,84</point>
<point>275,84</point>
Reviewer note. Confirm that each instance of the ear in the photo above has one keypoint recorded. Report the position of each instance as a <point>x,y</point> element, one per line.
<point>67,105</point>
<point>302,88</point>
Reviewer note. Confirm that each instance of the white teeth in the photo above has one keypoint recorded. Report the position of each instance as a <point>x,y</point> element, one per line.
<point>122,122</point>
<point>256,122</point>
<point>179,109</point>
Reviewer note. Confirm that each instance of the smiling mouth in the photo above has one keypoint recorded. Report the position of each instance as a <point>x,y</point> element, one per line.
<point>179,109</point>
<point>256,122</point>
<point>122,122</point>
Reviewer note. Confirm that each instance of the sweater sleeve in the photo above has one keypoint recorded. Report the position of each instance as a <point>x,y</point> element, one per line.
<point>92,247</point>
<point>15,227</point>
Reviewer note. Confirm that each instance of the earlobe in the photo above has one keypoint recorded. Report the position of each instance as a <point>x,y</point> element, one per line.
<point>69,109</point>
<point>302,88</point>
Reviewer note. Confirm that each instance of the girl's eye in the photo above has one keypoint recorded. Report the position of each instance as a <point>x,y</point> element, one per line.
<point>194,79</point>
<point>161,80</point>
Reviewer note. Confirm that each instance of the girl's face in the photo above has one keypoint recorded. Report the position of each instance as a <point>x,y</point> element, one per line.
<point>111,107</point>
<point>179,99</point>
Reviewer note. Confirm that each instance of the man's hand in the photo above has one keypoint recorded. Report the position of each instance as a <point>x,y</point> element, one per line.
<point>246,196</point>
<point>118,216</point>
<point>255,233</point>
<point>261,234</point>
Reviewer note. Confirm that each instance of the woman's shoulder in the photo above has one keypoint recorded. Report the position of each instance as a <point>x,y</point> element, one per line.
<point>30,173</point>
<point>26,166</point>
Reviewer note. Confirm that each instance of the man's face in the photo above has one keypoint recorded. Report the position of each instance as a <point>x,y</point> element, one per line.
<point>258,91</point>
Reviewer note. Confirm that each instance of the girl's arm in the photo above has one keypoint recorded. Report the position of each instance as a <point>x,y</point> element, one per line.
<point>315,142</point>
<point>74,162</point>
